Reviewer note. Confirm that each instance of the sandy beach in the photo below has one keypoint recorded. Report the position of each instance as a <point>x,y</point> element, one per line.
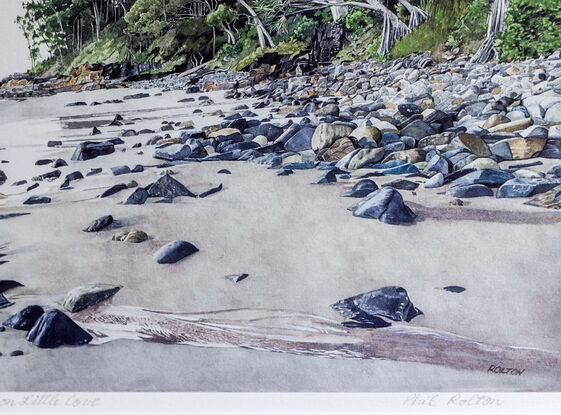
<point>302,248</point>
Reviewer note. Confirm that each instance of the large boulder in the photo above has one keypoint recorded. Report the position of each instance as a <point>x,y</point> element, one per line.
<point>367,131</point>
<point>300,141</point>
<point>339,149</point>
<point>385,204</point>
<point>524,187</point>
<point>469,191</point>
<point>54,329</point>
<point>89,150</point>
<point>366,156</point>
<point>326,134</point>
<point>414,155</point>
<point>487,177</point>
<point>473,143</point>
<point>418,129</point>
<point>518,148</point>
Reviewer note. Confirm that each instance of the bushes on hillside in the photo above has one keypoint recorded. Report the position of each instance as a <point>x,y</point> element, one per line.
<point>533,28</point>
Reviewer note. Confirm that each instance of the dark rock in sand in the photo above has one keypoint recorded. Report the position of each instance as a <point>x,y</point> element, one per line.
<point>6,285</point>
<point>94,171</point>
<point>285,172</point>
<point>402,184</point>
<point>95,131</point>
<point>362,189</point>
<point>54,143</point>
<point>42,162</point>
<point>89,150</point>
<point>367,322</point>
<point>236,277</point>
<point>454,289</point>
<point>75,175</point>
<point>54,329</point>
<point>85,296</point>
<point>224,171</point>
<point>390,302</point>
<point>16,353</point>
<point>174,251</point>
<point>128,133</point>
<point>3,177</point>
<point>211,191</point>
<point>33,186</point>
<point>59,163</point>
<point>136,96</point>
<point>329,177</point>
<point>24,319</point>
<point>468,191</point>
<point>37,200</point>
<point>19,183</point>
<point>55,174</point>
<point>99,224</point>
<point>138,197</point>
<point>137,169</point>
<point>167,187</point>
<point>76,104</point>
<point>385,204</point>
<point>113,189</point>
<point>117,171</point>
<point>487,177</point>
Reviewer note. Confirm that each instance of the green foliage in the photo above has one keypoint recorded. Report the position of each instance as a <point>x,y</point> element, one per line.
<point>358,22</point>
<point>372,50</point>
<point>222,14</point>
<point>472,27</point>
<point>303,27</point>
<point>533,28</point>
<point>435,31</point>
<point>145,18</point>
<point>324,15</point>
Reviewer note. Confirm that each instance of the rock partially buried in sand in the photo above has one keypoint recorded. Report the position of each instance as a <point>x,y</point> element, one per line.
<point>99,224</point>
<point>391,302</point>
<point>236,277</point>
<point>37,200</point>
<point>454,289</point>
<point>211,191</point>
<point>167,187</point>
<point>138,197</point>
<point>362,189</point>
<point>90,150</point>
<point>85,296</point>
<point>3,178</point>
<point>54,329</point>
<point>6,285</point>
<point>25,319</point>
<point>174,252</point>
<point>134,237</point>
<point>385,204</point>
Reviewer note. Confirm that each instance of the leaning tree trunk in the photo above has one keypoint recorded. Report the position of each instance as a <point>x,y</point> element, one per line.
<point>393,29</point>
<point>495,24</point>
<point>417,16</point>
<point>262,33</point>
<point>339,12</point>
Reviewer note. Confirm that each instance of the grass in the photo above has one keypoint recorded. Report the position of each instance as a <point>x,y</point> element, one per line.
<point>434,33</point>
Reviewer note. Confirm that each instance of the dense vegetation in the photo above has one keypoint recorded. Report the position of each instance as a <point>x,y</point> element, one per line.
<point>186,33</point>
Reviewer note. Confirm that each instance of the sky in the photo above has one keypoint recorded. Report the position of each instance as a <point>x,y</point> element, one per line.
<point>14,55</point>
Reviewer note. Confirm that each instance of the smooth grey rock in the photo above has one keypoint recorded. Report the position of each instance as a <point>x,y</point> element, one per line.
<point>174,252</point>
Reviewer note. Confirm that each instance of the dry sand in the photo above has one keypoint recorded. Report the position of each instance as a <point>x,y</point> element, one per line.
<point>298,242</point>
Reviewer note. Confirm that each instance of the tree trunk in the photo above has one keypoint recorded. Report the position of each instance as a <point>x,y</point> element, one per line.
<point>417,16</point>
<point>262,33</point>
<point>495,24</point>
<point>164,9</point>
<point>339,12</point>
<point>97,17</point>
